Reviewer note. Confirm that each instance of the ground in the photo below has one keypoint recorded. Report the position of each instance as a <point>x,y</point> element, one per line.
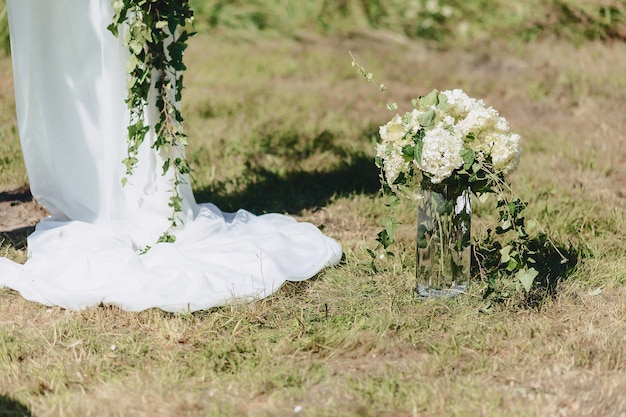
<point>551,96</point>
<point>19,213</point>
<point>354,343</point>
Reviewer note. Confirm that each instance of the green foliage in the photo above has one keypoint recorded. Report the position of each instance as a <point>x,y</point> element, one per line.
<point>12,170</point>
<point>509,268</point>
<point>156,33</point>
<point>515,266</point>
<point>440,21</point>
<point>579,21</point>
<point>4,28</point>
<point>305,124</point>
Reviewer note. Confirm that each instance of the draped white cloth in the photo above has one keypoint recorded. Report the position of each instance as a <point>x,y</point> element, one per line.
<point>70,86</point>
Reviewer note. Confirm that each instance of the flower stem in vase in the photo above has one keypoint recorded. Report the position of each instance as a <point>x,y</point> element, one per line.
<point>443,241</point>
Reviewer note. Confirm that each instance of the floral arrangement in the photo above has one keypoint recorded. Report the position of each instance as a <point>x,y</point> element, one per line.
<point>447,138</point>
<point>448,148</point>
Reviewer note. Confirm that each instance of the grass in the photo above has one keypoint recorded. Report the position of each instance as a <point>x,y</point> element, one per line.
<point>282,123</point>
<point>440,22</point>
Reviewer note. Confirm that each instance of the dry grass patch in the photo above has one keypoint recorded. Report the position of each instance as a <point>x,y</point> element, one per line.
<point>286,125</point>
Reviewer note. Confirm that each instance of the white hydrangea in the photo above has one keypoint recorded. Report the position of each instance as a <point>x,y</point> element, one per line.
<point>506,152</point>
<point>393,135</point>
<point>447,120</point>
<point>459,102</point>
<point>502,125</point>
<point>477,121</point>
<point>441,153</point>
<point>462,122</point>
<point>393,132</point>
<point>393,161</point>
<point>411,120</point>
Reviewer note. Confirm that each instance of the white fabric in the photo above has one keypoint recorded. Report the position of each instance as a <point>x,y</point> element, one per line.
<point>70,85</point>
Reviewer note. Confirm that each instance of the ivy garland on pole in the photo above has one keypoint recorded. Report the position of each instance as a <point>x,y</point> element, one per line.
<point>156,33</point>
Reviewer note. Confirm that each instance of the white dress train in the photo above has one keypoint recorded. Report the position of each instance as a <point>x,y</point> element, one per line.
<point>70,86</point>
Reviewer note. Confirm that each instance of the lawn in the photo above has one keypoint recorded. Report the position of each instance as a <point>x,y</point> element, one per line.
<point>279,121</point>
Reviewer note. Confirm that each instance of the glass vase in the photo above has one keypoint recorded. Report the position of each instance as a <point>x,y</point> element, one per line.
<point>443,241</point>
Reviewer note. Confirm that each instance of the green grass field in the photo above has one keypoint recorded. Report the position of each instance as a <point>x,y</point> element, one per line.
<point>279,121</point>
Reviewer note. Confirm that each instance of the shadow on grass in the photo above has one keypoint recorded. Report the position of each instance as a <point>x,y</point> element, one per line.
<point>17,238</point>
<point>22,195</point>
<point>293,192</point>
<point>554,262</point>
<point>12,408</point>
<point>15,202</point>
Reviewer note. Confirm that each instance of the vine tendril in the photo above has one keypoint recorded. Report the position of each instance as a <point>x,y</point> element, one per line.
<point>156,34</point>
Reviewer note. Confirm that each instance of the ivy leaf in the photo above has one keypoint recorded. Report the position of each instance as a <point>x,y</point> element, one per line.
<point>387,236</point>
<point>526,277</point>
<point>482,197</point>
<point>384,239</point>
<point>442,102</point>
<point>431,99</point>
<point>419,147</point>
<point>468,157</point>
<point>113,29</point>
<point>504,254</point>
<point>176,50</point>
<point>512,265</point>
<point>427,118</point>
<point>176,202</point>
<point>166,238</point>
<point>409,151</point>
<point>505,226</point>
<point>391,226</point>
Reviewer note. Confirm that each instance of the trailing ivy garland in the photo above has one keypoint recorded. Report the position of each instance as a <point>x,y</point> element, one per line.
<point>156,33</point>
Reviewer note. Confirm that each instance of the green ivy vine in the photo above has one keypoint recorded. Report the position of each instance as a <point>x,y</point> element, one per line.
<point>156,34</point>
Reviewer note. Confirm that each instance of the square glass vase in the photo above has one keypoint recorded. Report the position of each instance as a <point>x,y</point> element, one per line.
<point>443,251</point>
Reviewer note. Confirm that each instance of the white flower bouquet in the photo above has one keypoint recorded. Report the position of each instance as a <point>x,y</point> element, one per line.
<point>448,139</point>
<point>448,147</point>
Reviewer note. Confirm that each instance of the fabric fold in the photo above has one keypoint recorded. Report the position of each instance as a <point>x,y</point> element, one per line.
<point>70,87</point>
